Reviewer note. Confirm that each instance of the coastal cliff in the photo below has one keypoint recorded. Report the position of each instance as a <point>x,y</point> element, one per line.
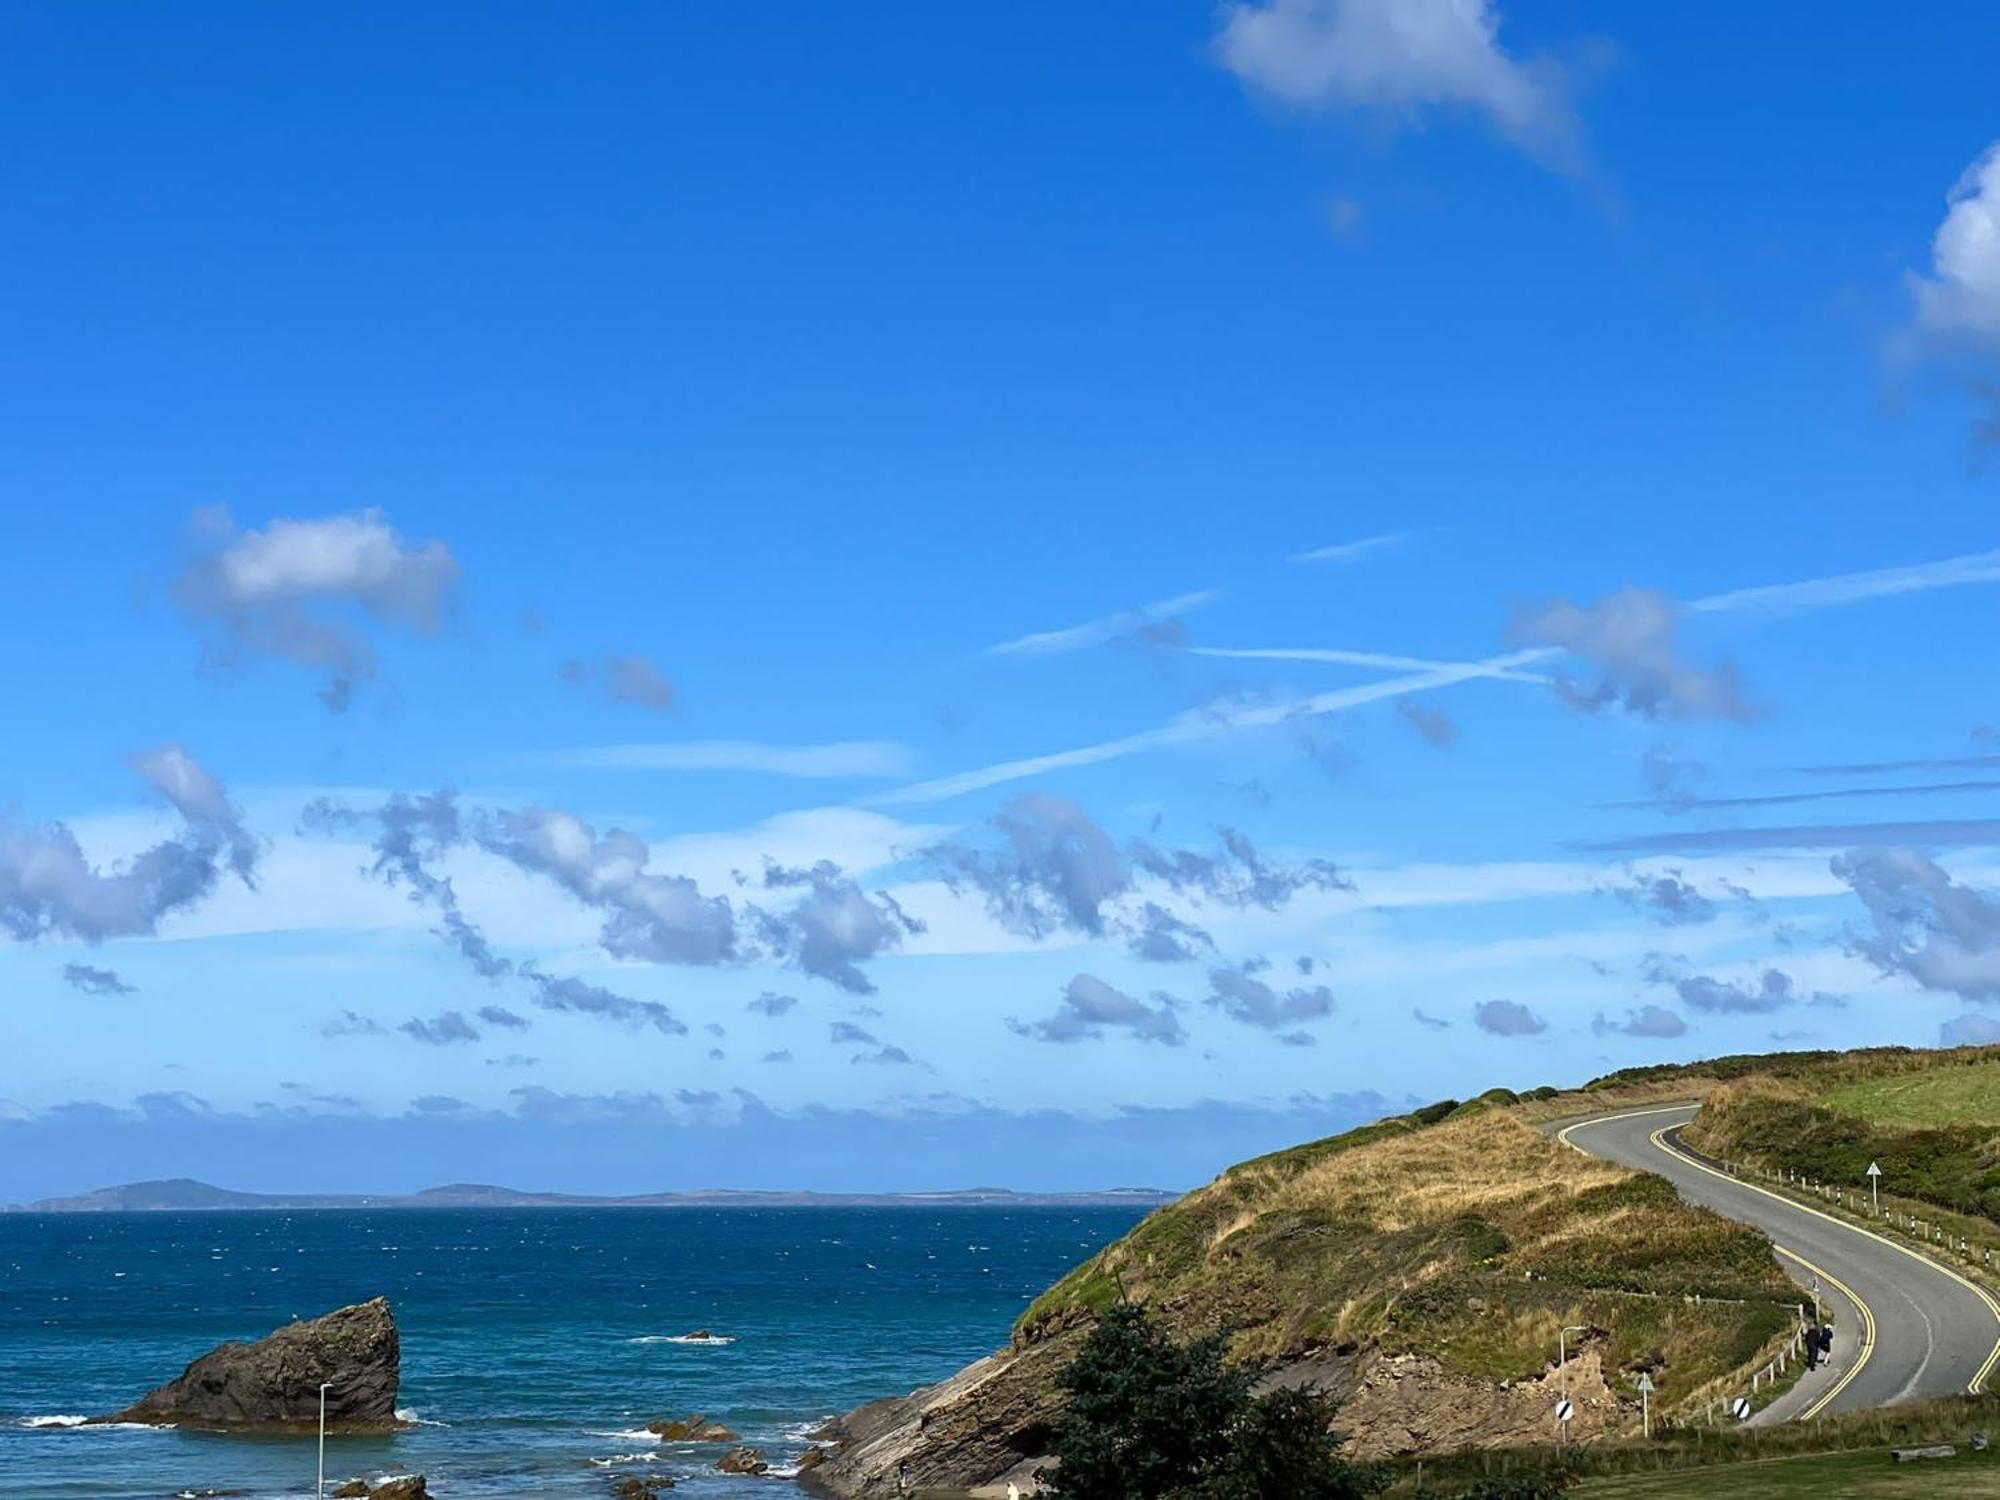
<point>1419,1269</point>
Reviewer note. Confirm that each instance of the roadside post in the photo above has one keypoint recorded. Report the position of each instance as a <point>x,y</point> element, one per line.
<point>1875,1188</point>
<point>1565,1409</point>
<point>1646,1403</point>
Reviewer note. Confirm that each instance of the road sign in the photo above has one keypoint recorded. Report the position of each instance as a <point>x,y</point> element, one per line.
<point>1646,1386</point>
<point>1565,1409</point>
<point>1875,1187</point>
<point>1646,1404</point>
<point>1741,1407</point>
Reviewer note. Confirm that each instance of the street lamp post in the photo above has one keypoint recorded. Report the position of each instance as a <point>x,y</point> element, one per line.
<point>1562,1368</point>
<point>1562,1353</point>
<point>319,1487</point>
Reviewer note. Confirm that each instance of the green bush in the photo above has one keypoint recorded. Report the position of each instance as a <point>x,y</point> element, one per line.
<point>1151,1419</point>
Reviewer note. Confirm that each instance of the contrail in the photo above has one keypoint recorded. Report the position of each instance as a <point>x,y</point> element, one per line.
<point>1110,628</point>
<point>1348,551</point>
<point>1364,659</point>
<point>1853,588</point>
<point>1208,723</point>
<point>1423,675</point>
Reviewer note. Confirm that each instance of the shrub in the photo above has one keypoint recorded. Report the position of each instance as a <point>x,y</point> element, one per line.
<point>1151,1419</point>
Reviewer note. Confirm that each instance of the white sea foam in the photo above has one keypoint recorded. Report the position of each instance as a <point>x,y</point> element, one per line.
<point>632,1435</point>
<point>683,1339</point>
<point>626,1458</point>
<point>802,1432</point>
<point>64,1422</point>
<point>409,1414</point>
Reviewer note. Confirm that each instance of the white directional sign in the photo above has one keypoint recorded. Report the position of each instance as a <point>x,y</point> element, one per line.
<point>1565,1409</point>
<point>1646,1386</point>
<point>1741,1406</point>
<point>1646,1403</point>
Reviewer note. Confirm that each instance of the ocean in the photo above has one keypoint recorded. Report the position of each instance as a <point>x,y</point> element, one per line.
<point>537,1343</point>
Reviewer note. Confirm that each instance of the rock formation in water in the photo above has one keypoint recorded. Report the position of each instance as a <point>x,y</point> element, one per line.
<point>273,1385</point>
<point>743,1461</point>
<point>695,1429</point>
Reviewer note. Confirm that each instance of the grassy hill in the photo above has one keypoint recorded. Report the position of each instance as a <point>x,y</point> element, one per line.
<point>1471,1239</point>
<point>1930,1119</point>
<point>1421,1268</point>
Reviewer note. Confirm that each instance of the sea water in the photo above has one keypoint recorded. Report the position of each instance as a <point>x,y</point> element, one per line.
<point>537,1343</point>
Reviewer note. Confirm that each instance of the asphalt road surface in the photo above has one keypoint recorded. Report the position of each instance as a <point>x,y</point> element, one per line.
<point>1904,1327</point>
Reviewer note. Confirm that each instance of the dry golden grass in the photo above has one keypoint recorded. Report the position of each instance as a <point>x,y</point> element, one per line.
<point>1492,1166</point>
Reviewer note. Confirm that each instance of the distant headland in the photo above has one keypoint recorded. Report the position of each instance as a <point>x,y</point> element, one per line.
<point>185,1195</point>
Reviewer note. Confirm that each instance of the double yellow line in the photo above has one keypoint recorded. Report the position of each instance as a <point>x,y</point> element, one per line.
<point>1868,1326</point>
<point>1867,1316</point>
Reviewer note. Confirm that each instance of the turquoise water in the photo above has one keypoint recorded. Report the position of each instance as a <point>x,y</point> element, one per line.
<point>536,1341</point>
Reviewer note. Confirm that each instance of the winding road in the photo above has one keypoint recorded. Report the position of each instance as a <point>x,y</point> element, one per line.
<point>1905,1327</point>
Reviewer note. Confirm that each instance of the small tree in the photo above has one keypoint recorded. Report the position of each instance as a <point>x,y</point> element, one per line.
<point>1149,1419</point>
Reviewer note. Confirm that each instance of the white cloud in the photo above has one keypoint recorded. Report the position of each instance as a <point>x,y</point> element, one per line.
<point>836,759</point>
<point>1961,296</point>
<point>287,590</point>
<point>1132,622</point>
<point>1401,57</point>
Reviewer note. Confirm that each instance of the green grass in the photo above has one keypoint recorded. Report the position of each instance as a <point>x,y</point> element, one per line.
<point>1946,1096</point>
<point>1866,1474</point>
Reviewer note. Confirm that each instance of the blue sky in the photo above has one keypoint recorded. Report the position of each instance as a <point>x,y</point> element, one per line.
<point>1021,594</point>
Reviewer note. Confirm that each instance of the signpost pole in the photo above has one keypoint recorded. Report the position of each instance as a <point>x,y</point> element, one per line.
<point>1875,1187</point>
<point>319,1487</point>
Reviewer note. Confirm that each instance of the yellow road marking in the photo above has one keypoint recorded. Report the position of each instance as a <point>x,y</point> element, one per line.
<point>1978,1381</point>
<point>1867,1330</point>
<point>1630,1114</point>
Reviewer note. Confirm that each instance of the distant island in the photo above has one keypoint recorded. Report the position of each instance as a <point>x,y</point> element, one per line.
<point>185,1195</point>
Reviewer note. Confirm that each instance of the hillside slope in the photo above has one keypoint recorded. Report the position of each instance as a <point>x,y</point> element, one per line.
<point>1420,1267</point>
<point>1931,1120</point>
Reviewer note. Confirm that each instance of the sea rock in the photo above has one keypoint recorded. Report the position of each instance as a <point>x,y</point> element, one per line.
<point>743,1461</point>
<point>409,1487</point>
<point>354,1489</point>
<point>633,1487</point>
<point>695,1429</point>
<point>273,1385</point>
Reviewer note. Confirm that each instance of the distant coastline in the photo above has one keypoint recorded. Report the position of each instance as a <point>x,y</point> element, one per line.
<point>185,1195</point>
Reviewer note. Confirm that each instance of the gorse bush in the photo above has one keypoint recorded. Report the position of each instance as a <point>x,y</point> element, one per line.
<point>1152,1419</point>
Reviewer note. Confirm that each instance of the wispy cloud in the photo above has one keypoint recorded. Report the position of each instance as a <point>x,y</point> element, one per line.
<point>807,762</point>
<point>1130,622</point>
<point>1342,552</point>
<point>1210,722</point>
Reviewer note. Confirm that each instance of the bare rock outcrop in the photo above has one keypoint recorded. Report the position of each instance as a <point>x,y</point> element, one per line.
<point>988,1423</point>
<point>273,1385</point>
